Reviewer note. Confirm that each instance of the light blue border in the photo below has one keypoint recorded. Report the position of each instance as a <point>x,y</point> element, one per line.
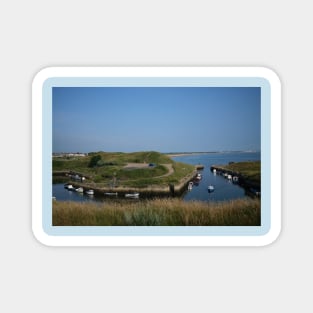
<point>157,230</point>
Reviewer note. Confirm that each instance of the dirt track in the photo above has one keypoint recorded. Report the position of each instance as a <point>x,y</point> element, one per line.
<point>136,165</point>
<point>146,165</point>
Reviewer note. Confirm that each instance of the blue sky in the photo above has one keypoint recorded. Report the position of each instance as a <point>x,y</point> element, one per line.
<point>164,119</point>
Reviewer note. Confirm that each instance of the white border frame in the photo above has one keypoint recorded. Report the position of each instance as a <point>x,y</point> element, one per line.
<point>37,162</point>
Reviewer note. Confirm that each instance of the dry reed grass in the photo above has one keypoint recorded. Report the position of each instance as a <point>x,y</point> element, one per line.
<point>158,212</point>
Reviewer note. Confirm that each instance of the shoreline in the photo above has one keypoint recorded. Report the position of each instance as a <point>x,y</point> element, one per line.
<point>152,190</point>
<point>169,189</point>
<point>186,153</point>
<point>206,152</point>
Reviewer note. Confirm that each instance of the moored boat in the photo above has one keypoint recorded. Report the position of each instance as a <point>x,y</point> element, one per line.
<point>69,187</point>
<point>235,179</point>
<point>132,195</point>
<point>110,193</point>
<point>90,192</point>
<point>80,189</point>
<point>199,176</point>
<point>190,185</point>
<point>211,188</point>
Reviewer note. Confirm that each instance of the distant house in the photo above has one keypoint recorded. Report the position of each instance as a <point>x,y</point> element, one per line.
<point>76,154</point>
<point>62,154</point>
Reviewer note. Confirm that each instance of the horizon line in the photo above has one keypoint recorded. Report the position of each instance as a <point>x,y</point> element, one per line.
<point>168,152</point>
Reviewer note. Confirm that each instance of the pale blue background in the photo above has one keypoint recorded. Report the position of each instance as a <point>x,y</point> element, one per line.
<point>157,230</point>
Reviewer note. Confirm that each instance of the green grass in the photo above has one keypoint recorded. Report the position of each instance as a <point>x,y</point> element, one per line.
<point>158,212</point>
<point>143,173</point>
<point>135,157</point>
<point>180,170</point>
<point>112,165</point>
<point>60,164</point>
<point>249,170</point>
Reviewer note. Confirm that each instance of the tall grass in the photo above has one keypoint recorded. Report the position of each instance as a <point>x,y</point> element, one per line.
<point>158,212</point>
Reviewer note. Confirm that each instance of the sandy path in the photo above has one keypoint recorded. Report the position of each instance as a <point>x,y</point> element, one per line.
<point>136,165</point>
<point>170,170</point>
<point>146,165</point>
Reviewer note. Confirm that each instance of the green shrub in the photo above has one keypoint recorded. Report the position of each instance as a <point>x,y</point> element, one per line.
<point>94,160</point>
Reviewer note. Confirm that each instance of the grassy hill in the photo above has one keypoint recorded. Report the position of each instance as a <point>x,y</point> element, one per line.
<point>105,168</point>
<point>110,158</point>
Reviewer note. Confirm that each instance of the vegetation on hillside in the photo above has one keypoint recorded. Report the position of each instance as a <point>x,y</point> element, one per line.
<point>106,167</point>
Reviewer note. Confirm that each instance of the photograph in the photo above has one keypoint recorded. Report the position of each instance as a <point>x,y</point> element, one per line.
<point>156,156</point>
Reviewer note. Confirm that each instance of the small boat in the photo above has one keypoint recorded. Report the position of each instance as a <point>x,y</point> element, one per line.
<point>132,195</point>
<point>211,188</point>
<point>90,192</point>
<point>199,176</point>
<point>190,185</point>
<point>54,198</point>
<point>111,193</point>
<point>80,189</point>
<point>235,179</point>
<point>70,187</point>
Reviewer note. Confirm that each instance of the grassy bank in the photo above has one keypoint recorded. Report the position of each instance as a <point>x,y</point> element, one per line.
<point>158,212</point>
<point>249,172</point>
<point>113,169</point>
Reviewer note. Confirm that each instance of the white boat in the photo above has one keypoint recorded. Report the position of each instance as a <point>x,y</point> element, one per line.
<point>90,192</point>
<point>80,189</point>
<point>235,179</point>
<point>199,176</point>
<point>190,185</point>
<point>211,188</point>
<point>70,187</point>
<point>110,193</point>
<point>132,195</point>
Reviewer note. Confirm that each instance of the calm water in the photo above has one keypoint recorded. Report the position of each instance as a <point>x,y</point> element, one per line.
<point>224,190</point>
<point>63,194</point>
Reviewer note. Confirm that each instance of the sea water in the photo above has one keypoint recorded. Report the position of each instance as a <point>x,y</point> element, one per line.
<point>223,189</point>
